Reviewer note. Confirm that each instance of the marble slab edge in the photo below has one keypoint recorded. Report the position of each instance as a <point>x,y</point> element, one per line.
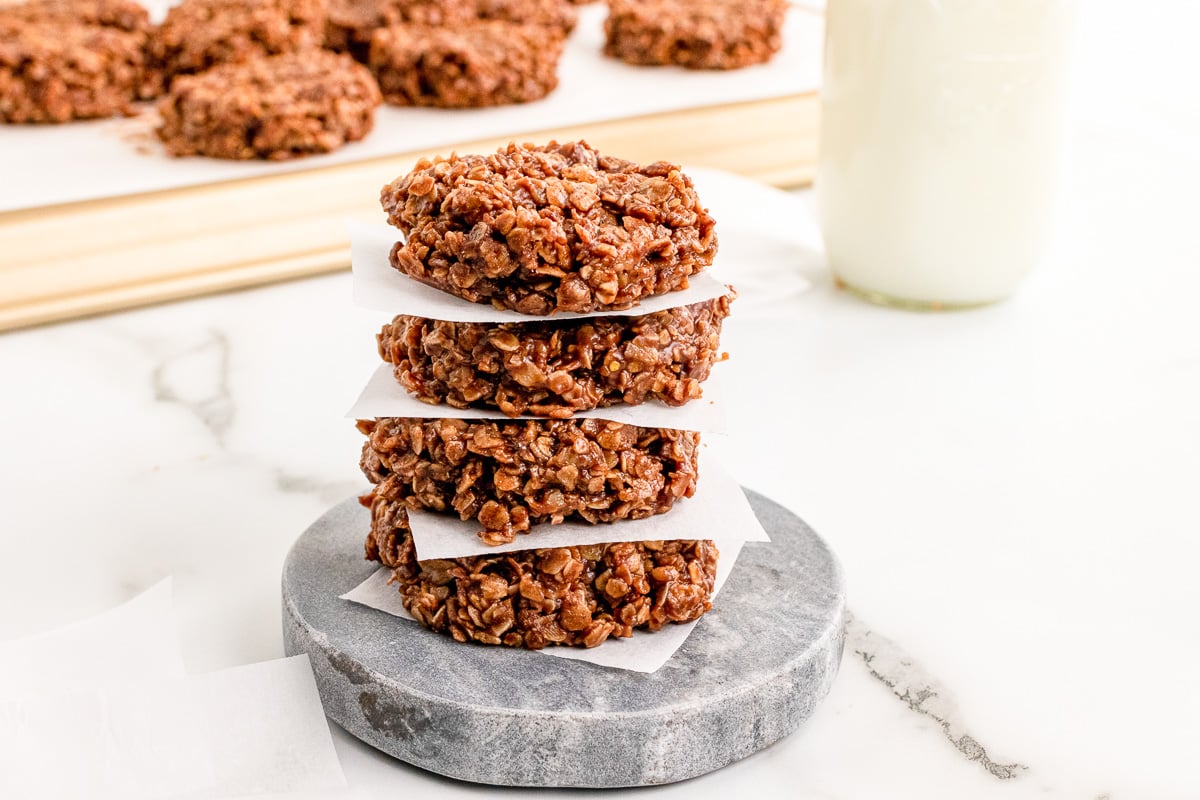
<point>753,670</point>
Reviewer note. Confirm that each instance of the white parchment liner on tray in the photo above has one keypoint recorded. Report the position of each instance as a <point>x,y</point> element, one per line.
<point>46,165</point>
<point>719,511</point>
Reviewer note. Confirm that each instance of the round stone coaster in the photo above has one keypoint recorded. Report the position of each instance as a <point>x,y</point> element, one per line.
<point>754,668</point>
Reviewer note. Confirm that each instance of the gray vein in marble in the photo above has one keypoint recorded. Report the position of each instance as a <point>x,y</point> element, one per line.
<point>921,692</point>
<point>197,378</point>
<point>193,371</point>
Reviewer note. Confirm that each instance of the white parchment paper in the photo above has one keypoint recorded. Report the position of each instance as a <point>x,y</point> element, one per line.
<point>380,287</point>
<point>266,730</point>
<point>139,740</point>
<point>383,396</point>
<point>241,731</point>
<point>103,708</point>
<point>132,641</point>
<point>718,511</point>
<point>45,165</point>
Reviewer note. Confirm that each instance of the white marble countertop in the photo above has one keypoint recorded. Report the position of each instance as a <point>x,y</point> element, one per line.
<point>1012,491</point>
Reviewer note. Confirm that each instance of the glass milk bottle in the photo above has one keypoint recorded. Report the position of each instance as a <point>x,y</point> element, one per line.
<point>940,138</point>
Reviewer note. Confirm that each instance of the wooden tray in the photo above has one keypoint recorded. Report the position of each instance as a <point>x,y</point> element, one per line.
<point>86,258</point>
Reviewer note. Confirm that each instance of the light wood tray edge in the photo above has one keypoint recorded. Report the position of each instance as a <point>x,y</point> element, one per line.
<point>93,257</point>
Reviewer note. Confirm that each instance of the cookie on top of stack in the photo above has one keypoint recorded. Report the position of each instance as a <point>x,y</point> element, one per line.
<point>545,230</point>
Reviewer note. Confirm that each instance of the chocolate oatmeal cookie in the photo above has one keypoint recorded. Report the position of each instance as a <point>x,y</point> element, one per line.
<point>475,64</point>
<point>556,14</point>
<point>575,596</point>
<point>275,107</point>
<point>72,59</point>
<point>199,34</point>
<point>697,34</point>
<point>352,22</point>
<point>122,15</point>
<point>557,368</point>
<point>509,476</point>
<point>57,73</point>
<point>553,228</point>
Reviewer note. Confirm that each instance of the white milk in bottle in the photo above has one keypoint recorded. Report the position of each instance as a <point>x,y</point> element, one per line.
<point>939,144</point>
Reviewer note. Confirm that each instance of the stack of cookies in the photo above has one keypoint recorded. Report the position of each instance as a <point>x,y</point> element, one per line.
<point>566,236</point>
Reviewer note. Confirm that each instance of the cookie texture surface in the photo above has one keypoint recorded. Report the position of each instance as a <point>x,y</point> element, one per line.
<point>554,14</point>
<point>200,34</point>
<point>62,60</point>
<point>276,107</point>
<point>697,34</point>
<point>352,23</point>
<point>509,476</point>
<point>575,596</point>
<point>559,227</point>
<point>123,15</point>
<point>472,65</point>
<point>559,367</point>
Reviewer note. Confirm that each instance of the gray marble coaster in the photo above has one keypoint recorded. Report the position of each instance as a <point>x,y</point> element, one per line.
<point>755,667</point>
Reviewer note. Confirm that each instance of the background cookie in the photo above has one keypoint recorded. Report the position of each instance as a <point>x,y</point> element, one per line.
<point>697,34</point>
<point>52,71</point>
<point>125,15</point>
<point>199,34</point>
<point>73,59</point>
<point>276,107</point>
<point>470,65</point>
<point>547,13</point>
<point>352,22</point>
